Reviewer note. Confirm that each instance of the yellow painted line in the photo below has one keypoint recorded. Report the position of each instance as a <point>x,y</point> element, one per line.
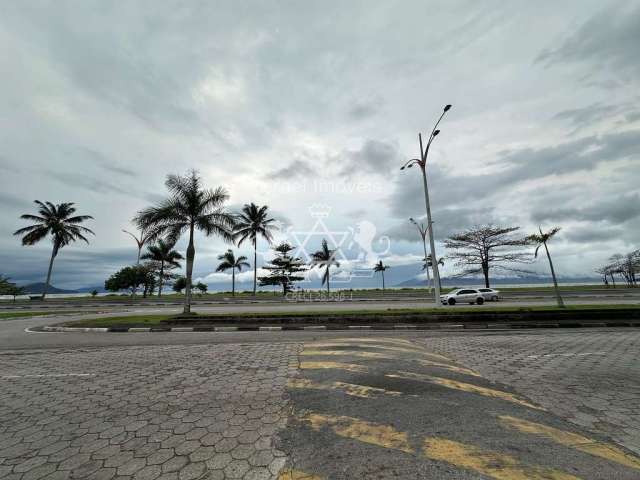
<point>349,367</point>
<point>348,353</point>
<point>393,341</point>
<point>297,475</point>
<point>383,436</point>
<point>465,387</point>
<point>489,463</point>
<point>452,368</point>
<point>403,349</point>
<point>362,391</point>
<point>573,440</point>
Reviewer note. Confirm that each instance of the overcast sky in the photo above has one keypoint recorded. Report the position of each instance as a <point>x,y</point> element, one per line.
<point>294,104</point>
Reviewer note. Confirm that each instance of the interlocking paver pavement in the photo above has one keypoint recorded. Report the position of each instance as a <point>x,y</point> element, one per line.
<point>591,378</point>
<point>164,412</point>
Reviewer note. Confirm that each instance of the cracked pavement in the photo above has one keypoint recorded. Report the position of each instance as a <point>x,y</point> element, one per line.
<point>325,406</point>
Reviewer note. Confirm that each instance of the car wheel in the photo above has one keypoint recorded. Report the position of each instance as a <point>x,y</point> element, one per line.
<point>494,298</point>
<point>480,301</point>
<point>451,301</point>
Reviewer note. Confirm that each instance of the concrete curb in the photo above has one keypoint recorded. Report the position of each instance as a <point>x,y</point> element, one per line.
<point>382,327</point>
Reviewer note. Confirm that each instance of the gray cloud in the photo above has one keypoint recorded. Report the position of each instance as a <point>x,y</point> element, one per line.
<point>607,42</point>
<point>296,169</point>
<point>617,210</point>
<point>374,156</point>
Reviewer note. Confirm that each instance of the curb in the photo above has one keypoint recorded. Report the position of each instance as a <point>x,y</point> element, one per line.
<point>442,326</point>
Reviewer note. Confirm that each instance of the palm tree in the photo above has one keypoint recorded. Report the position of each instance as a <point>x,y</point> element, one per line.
<point>229,261</point>
<point>541,240</point>
<point>253,223</point>
<point>141,240</point>
<point>163,253</point>
<point>58,221</point>
<point>189,206</point>
<point>428,263</point>
<point>380,267</point>
<point>324,257</point>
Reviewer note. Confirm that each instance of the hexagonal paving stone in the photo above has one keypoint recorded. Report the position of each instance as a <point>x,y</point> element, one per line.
<point>132,466</point>
<point>236,469</point>
<point>192,471</point>
<point>174,464</point>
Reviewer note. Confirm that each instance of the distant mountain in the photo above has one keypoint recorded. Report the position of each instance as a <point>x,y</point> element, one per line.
<point>455,282</point>
<point>38,287</point>
<point>98,288</point>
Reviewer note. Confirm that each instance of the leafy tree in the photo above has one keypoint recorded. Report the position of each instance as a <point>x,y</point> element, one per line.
<point>10,288</point>
<point>167,258</point>
<point>229,261</point>
<point>284,269</point>
<point>131,278</point>
<point>324,258</point>
<point>188,208</point>
<point>380,267</point>
<point>179,284</point>
<point>94,293</point>
<point>57,221</point>
<point>202,288</point>
<point>481,248</point>
<point>540,240</point>
<point>252,223</point>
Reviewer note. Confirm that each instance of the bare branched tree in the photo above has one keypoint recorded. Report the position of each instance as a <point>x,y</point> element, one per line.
<point>485,247</point>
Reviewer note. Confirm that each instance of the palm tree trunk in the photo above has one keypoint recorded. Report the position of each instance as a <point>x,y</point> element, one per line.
<point>161,277</point>
<point>382,281</point>
<point>191,253</point>
<point>255,267</point>
<point>135,287</point>
<point>54,252</point>
<point>233,281</point>
<point>553,275</point>
<point>328,290</point>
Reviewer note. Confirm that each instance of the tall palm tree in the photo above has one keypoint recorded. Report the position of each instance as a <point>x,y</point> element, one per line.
<point>163,253</point>
<point>252,223</point>
<point>58,221</point>
<point>540,240</point>
<point>189,206</point>
<point>229,261</point>
<point>380,267</point>
<point>325,257</point>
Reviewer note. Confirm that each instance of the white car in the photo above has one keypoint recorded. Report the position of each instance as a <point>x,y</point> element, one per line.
<point>489,294</point>
<point>462,295</point>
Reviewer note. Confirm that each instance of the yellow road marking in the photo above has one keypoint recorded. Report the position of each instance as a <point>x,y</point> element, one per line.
<point>452,368</point>
<point>491,464</point>
<point>362,391</point>
<point>297,475</point>
<point>393,341</point>
<point>383,436</point>
<point>349,353</point>
<point>573,440</point>
<point>465,387</point>
<point>404,349</point>
<point>349,367</point>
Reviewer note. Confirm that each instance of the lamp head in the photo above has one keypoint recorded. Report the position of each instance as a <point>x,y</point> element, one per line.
<point>436,132</point>
<point>447,108</point>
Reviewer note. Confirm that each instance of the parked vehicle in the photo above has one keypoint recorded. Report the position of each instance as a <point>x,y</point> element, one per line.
<point>489,294</point>
<point>462,295</point>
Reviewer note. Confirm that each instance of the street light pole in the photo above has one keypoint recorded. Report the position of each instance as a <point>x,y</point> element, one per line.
<point>422,163</point>
<point>423,233</point>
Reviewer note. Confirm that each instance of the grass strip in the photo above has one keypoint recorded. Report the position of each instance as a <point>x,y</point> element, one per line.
<point>156,320</point>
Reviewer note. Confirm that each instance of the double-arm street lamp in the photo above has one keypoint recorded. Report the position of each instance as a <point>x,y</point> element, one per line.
<point>423,234</point>
<point>422,163</point>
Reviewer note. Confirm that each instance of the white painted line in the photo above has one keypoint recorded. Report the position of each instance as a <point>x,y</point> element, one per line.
<point>315,327</point>
<point>270,329</point>
<point>182,329</point>
<point>566,354</point>
<point>139,330</point>
<point>225,329</point>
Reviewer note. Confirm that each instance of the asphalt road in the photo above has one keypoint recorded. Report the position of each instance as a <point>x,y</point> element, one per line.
<point>549,404</point>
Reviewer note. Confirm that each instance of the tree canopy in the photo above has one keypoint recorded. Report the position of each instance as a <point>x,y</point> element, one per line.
<point>481,248</point>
